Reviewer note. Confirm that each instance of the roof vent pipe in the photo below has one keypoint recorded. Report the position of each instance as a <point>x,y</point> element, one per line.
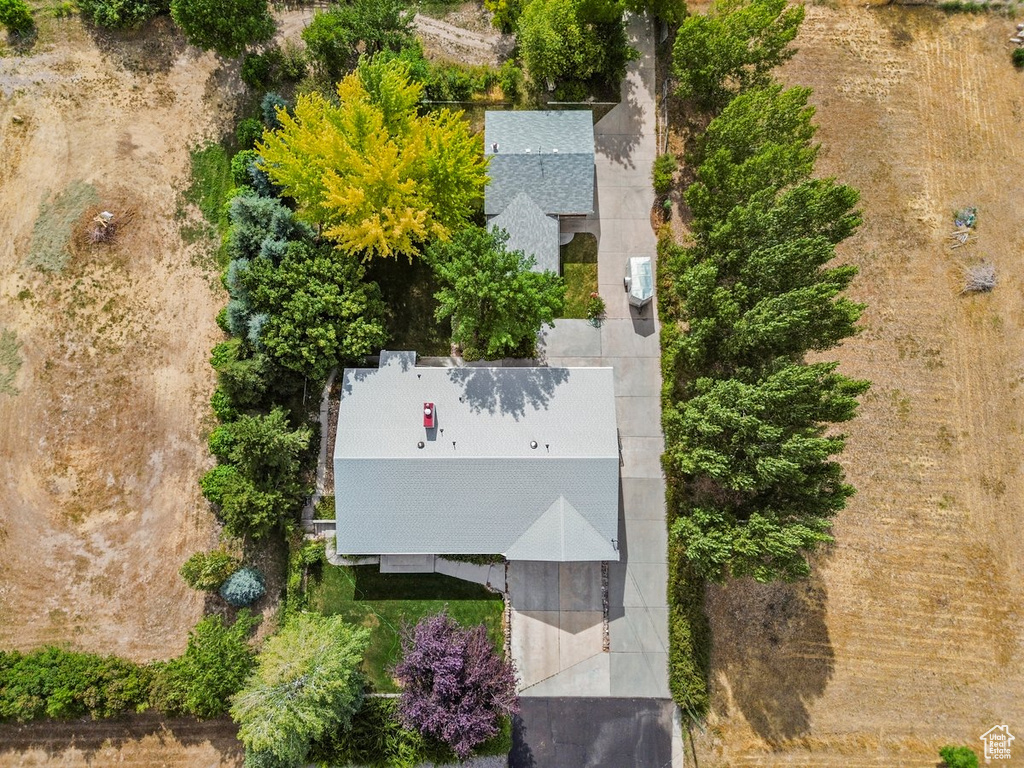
<point>494,147</point>
<point>533,443</point>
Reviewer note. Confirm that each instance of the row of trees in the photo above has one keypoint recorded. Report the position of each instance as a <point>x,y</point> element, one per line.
<point>748,420</point>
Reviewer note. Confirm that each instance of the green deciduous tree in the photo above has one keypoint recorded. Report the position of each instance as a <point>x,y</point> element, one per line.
<point>381,179</point>
<point>732,48</point>
<point>337,37</point>
<point>306,684</point>
<point>756,461</point>
<point>225,26</point>
<point>762,140</point>
<point>216,662</point>
<point>496,303</point>
<point>320,310</point>
<point>581,41</point>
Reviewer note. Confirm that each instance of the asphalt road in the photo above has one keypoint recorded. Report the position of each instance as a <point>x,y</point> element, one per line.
<point>592,733</point>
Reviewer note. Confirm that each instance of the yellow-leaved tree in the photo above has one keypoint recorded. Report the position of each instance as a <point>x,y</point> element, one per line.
<point>381,179</point>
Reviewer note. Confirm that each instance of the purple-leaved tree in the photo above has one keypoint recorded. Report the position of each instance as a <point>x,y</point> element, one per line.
<point>454,686</point>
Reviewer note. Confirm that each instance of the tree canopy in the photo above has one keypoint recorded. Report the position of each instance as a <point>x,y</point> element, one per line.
<point>306,684</point>
<point>380,178</point>
<point>337,37</point>
<point>455,687</point>
<point>732,48</point>
<point>225,26</point>
<point>581,41</point>
<point>496,303</point>
<point>319,309</point>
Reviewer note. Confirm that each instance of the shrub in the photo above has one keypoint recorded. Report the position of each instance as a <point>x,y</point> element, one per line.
<point>689,637</point>
<point>213,668</point>
<point>217,481</point>
<point>222,406</point>
<point>248,132</point>
<point>208,570</point>
<point>455,687</point>
<point>510,78</point>
<point>663,173</point>
<point>595,307</point>
<point>269,106</point>
<point>958,757</point>
<point>243,587</point>
<point>256,70</point>
<point>53,682</point>
<point>241,162</point>
<point>15,15</point>
<point>121,13</point>
<point>1018,57</point>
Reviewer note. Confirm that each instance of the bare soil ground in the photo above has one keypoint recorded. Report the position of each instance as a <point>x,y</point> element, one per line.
<point>101,447</point>
<point>909,635</point>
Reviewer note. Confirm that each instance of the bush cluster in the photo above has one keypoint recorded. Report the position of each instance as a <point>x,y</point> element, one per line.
<point>15,15</point>
<point>208,570</point>
<point>61,684</point>
<point>122,13</point>
<point>54,682</point>
<point>663,173</point>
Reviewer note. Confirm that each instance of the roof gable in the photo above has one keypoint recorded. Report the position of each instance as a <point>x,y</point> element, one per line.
<point>530,231</point>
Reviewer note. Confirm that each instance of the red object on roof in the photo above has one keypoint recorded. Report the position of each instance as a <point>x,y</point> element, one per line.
<point>429,415</point>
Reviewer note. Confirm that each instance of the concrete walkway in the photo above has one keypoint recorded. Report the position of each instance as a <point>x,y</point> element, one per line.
<point>554,606</point>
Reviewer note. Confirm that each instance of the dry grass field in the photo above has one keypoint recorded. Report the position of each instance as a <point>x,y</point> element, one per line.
<point>909,635</point>
<point>102,423</point>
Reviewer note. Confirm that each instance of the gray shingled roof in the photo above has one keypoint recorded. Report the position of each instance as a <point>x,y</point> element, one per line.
<point>477,486</point>
<point>530,231</point>
<point>549,155</point>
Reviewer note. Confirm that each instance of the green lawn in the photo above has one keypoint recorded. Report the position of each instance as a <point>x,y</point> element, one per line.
<point>383,601</point>
<point>408,291</point>
<point>579,268</point>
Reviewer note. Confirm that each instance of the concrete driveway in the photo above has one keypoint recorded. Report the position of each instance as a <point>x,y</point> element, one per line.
<point>554,642</point>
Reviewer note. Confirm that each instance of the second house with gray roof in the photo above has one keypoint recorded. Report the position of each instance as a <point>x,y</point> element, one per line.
<point>541,168</point>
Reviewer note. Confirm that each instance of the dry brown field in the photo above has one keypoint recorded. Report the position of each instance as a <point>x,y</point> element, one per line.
<point>909,634</point>
<point>102,444</point>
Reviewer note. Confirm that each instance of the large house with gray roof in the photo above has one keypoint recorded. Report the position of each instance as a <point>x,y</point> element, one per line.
<point>541,168</point>
<point>522,462</point>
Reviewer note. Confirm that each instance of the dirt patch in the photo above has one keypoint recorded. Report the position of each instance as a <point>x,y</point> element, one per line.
<point>909,634</point>
<point>102,445</point>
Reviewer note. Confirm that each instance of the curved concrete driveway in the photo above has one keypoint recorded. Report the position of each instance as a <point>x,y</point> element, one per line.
<point>556,621</point>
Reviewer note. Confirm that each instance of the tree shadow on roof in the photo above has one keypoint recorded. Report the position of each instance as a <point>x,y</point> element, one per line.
<point>509,391</point>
